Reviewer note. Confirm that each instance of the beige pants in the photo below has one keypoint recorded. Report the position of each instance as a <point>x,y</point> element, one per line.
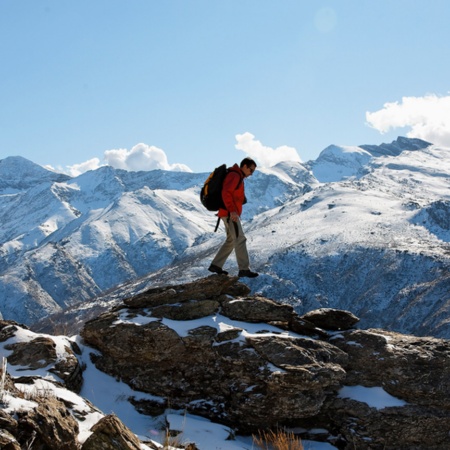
<point>237,243</point>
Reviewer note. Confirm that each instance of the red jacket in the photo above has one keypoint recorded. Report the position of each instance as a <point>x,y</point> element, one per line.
<point>233,193</point>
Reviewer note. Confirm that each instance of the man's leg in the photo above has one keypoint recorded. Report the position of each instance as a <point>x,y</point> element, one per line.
<point>242,253</point>
<point>240,246</point>
<point>227,247</point>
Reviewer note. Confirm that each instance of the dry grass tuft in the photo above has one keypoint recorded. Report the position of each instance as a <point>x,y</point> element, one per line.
<point>279,440</point>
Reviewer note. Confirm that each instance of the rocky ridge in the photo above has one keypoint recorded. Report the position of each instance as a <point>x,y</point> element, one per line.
<point>383,232</point>
<point>380,223</point>
<point>211,349</point>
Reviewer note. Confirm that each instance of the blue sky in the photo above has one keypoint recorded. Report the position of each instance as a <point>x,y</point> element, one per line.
<point>194,83</point>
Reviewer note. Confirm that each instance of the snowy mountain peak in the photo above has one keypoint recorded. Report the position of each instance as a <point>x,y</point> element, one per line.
<point>344,155</point>
<point>292,172</point>
<point>18,173</point>
<point>396,147</point>
<point>336,163</point>
<point>66,241</point>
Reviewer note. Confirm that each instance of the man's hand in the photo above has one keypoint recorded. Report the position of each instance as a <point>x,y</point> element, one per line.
<point>234,216</point>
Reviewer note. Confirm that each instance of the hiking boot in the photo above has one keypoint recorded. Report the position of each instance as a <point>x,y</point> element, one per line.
<point>247,273</point>
<point>216,269</point>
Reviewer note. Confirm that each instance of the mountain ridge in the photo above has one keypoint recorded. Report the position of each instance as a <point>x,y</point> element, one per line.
<point>386,218</point>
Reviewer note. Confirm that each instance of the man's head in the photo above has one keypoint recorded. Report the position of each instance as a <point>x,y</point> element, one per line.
<point>248,166</point>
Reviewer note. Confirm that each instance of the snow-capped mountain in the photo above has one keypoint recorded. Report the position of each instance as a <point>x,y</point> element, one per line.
<point>336,163</point>
<point>65,240</point>
<point>361,228</point>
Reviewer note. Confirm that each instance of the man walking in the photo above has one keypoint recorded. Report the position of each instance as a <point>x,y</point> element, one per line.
<point>233,195</point>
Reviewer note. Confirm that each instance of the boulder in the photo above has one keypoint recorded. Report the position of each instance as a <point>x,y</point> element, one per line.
<point>48,426</point>
<point>220,372</point>
<point>232,382</point>
<point>109,433</point>
<point>40,352</point>
<point>415,369</point>
<point>207,288</point>
<point>331,319</point>
<point>256,309</point>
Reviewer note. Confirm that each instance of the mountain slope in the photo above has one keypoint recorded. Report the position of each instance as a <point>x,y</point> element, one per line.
<point>336,163</point>
<point>375,241</point>
<point>377,245</point>
<point>65,240</point>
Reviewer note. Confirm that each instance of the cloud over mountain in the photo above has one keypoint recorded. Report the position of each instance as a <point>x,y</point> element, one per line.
<point>140,157</point>
<point>78,169</point>
<point>427,117</point>
<point>148,157</point>
<point>263,155</point>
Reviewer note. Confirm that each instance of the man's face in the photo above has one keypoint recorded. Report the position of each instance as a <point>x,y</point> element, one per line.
<point>248,170</point>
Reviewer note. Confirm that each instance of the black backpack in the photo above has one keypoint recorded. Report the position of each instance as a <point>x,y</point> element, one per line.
<point>211,193</point>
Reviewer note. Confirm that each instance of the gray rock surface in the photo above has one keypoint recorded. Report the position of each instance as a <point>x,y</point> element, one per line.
<point>248,362</point>
<point>251,381</point>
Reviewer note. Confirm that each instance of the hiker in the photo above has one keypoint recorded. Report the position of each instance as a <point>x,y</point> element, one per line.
<point>233,195</point>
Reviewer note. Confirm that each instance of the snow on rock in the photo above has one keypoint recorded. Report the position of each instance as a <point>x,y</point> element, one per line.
<point>202,364</point>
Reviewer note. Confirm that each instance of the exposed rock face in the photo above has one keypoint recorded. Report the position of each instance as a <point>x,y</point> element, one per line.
<point>252,381</point>
<point>50,425</point>
<point>41,352</point>
<point>211,349</point>
<point>194,346</point>
<point>31,415</point>
<point>413,369</point>
<point>47,424</point>
<point>109,433</point>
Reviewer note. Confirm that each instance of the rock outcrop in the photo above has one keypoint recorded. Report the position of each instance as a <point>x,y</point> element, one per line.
<point>211,349</point>
<point>246,361</point>
<point>215,368</point>
<point>37,411</point>
<point>109,433</point>
<point>41,352</point>
<point>45,423</point>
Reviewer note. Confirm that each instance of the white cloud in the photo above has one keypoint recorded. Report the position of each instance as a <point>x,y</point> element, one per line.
<point>140,157</point>
<point>427,117</point>
<point>78,169</point>
<point>265,156</point>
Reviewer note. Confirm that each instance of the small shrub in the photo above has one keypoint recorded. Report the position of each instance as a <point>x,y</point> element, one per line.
<point>279,440</point>
<point>37,394</point>
<point>171,440</point>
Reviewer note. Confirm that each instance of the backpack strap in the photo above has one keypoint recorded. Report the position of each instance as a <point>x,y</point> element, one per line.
<point>217,224</point>
<point>236,228</point>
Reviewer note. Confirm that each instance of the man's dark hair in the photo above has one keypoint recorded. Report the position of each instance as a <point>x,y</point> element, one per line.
<point>247,162</point>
